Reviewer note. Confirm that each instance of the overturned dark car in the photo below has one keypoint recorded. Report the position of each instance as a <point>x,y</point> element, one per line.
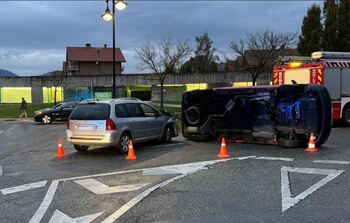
<point>282,115</point>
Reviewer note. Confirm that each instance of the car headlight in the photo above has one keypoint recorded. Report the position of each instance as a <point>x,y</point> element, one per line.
<point>38,112</point>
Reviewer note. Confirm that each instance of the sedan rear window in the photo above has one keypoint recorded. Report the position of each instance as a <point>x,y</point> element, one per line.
<point>91,112</point>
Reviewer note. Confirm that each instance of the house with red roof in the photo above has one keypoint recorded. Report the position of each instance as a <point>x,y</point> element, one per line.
<point>91,60</point>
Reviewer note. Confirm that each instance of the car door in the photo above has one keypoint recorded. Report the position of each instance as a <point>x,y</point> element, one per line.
<point>54,112</point>
<point>65,111</point>
<point>155,122</point>
<point>139,125</point>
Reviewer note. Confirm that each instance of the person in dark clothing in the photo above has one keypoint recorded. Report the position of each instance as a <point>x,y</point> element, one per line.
<point>23,109</point>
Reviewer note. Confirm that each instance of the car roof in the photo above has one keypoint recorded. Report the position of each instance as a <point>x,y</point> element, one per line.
<point>113,101</point>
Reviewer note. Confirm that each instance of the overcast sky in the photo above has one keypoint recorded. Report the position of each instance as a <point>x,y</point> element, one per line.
<point>34,35</point>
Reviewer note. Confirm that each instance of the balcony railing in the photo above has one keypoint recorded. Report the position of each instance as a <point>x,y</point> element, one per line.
<point>73,67</point>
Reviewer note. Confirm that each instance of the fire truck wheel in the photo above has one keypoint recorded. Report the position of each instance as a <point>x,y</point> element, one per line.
<point>346,114</point>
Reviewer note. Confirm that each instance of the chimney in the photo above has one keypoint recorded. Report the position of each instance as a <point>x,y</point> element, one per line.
<point>105,45</point>
<point>88,44</point>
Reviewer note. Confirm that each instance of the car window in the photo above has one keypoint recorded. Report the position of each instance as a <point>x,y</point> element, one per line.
<point>58,105</point>
<point>67,105</point>
<point>120,111</point>
<point>91,112</point>
<point>134,110</point>
<point>148,110</point>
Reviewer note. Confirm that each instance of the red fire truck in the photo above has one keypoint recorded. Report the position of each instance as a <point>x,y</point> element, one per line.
<point>331,69</point>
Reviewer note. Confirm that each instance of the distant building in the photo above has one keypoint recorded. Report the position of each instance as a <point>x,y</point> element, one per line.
<point>228,66</point>
<point>90,60</point>
<point>251,58</point>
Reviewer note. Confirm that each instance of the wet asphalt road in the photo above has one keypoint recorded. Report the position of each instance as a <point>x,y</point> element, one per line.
<point>247,190</point>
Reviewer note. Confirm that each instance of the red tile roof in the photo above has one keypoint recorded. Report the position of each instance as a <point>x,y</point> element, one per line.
<point>94,54</point>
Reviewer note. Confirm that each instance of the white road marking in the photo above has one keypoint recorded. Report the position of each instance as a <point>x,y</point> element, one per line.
<point>99,188</point>
<point>100,175</point>
<point>1,171</point>
<point>186,169</point>
<point>244,158</point>
<point>24,187</point>
<point>275,158</point>
<point>39,214</point>
<point>60,217</point>
<point>118,213</point>
<point>1,131</point>
<point>332,161</point>
<point>182,168</point>
<point>287,200</point>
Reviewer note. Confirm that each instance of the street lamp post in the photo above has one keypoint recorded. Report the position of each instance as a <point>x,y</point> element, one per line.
<point>108,16</point>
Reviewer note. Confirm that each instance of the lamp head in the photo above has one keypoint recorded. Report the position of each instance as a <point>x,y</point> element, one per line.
<point>120,5</point>
<point>107,15</point>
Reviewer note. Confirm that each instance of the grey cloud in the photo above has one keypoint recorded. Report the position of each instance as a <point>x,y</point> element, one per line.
<point>51,26</point>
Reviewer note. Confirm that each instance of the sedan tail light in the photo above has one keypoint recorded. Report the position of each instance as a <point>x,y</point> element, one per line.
<point>110,125</point>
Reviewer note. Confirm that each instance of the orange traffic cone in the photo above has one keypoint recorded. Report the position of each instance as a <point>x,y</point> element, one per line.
<point>223,150</point>
<point>312,147</point>
<point>131,153</point>
<point>60,149</point>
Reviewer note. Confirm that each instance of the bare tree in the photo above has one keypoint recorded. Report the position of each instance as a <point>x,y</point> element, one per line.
<point>56,78</point>
<point>164,59</point>
<point>258,51</point>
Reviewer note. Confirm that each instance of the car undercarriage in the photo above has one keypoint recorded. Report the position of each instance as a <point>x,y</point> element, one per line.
<point>284,115</point>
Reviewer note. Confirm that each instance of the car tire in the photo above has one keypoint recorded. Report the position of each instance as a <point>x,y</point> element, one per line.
<point>80,148</point>
<point>46,119</point>
<point>346,115</point>
<point>193,115</point>
<point>123,144</point>
<point>326,103</point>
<point>290,143</point>
<point>167,134</point>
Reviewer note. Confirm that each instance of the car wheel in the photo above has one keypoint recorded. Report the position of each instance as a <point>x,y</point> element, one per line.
<point>167,135</point>
<point>46,119</point>
<point>326,113</point>
<point>123,145</point>
<point>346,114</point>
<point>290,143</point>
<point>193,115</point>
<point>80,148</point>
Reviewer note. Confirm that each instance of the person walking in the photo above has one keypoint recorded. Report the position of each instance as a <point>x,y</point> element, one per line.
<point>23,109</point>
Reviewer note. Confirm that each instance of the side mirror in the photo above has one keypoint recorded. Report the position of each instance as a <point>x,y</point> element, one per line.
<point>164,112</point>
<point>157,113</point>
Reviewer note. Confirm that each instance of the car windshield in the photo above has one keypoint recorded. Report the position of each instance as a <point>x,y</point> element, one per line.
<point>91,112</point>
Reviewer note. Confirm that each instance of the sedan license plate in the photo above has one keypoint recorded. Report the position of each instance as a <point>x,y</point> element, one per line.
<point>86,128</point>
